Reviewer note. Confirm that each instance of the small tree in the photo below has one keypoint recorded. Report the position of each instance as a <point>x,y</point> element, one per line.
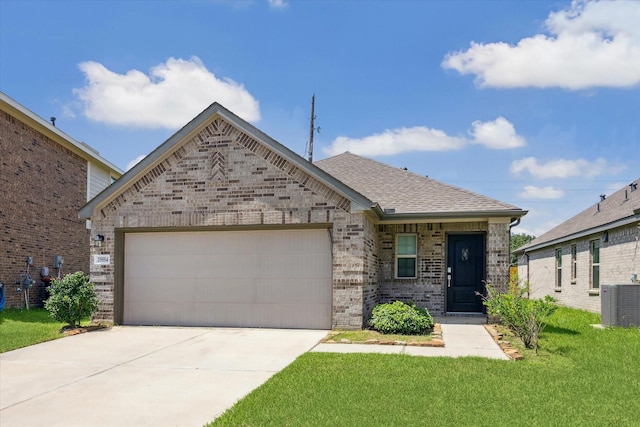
<point>71,299</point>
<point>526,317</point>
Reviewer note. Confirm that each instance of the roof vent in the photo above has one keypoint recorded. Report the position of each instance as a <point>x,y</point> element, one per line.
<point>633,186</point>
<point>53,121</point>
<point>602,197</point>
<point>390,211</point>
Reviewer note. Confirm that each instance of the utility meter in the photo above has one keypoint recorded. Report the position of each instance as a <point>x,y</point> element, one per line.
<point>58,261</point>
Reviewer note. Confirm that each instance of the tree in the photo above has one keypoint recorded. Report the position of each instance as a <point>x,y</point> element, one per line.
<point>518,240</point>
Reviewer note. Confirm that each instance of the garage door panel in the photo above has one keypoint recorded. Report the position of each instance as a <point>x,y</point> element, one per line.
<point>235,278</point>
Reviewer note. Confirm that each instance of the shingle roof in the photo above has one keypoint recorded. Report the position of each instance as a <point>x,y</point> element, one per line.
<point>618,208</point>
<point>407,192</point>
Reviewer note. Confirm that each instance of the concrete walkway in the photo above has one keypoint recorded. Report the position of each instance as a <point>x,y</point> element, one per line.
<point>459,340</point>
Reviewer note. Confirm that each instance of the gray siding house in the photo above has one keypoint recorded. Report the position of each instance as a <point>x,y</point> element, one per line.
<point>599,246</point>
<point>221,225</point>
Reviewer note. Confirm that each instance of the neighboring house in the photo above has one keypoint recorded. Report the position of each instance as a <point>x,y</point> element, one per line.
<point>45,178</point>
<point>599,246</point>
<point>222,225</point>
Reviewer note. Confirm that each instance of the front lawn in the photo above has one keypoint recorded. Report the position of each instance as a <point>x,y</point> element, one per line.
<point>582,377</point>
<point>21,328</point>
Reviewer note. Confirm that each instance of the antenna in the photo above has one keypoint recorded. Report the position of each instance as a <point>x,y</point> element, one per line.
<point>312,128</point>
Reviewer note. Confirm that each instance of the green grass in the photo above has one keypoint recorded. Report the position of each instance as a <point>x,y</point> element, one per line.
<point>582,377</point>
<point>21,328</point>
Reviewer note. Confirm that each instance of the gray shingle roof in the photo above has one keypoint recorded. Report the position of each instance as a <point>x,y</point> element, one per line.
<point>407,192</point>
<point>618,208</point>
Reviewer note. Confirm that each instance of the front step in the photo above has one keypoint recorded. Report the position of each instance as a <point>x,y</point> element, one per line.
<point>461,318</point>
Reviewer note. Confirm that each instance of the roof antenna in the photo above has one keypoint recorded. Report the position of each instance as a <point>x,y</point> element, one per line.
<point>312,128</point>
<point>53,121</point>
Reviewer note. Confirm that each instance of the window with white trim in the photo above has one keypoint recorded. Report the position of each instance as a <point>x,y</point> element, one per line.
<point>574,263</point>
<point>594,260</point>
<point>406,255</point>
<point>558,268</point>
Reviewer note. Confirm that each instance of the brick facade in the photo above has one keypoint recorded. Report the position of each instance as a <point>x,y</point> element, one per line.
<point>42,187</point>
<point>619,259</point>
<point>429,288</point>
<point>219,178</point>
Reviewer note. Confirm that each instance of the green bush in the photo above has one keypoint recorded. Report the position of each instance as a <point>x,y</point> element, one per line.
<point>71,299</point>
<point>525,317</point>
<point>401,318</point>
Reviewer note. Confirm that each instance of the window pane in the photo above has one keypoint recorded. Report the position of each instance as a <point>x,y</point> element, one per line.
<point>595,277</point>
<point>406,267</point>
<point>559,258</point>
<point>596,252</point>
<point>407,245</point>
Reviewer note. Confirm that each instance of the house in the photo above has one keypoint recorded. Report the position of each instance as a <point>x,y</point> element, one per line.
<point>46,176</point>
<point>222,225</point>
<point>600,245</point>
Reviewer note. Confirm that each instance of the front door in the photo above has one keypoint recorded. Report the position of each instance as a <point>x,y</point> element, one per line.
<point>465,272</point>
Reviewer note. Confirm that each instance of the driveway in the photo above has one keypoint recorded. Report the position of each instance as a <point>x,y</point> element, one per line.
<point>139,376</point>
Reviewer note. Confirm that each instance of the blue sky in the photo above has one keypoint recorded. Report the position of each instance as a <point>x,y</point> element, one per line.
<point>535,103</point>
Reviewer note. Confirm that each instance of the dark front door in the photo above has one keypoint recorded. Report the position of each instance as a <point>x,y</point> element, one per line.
<point>465,272</point>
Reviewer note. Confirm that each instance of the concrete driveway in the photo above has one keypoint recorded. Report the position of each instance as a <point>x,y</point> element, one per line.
<point>139,376</point>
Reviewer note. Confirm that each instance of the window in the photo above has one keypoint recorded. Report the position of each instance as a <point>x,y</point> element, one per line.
<point>406,255</point>
<point>558,268</point>
<point>574,263</point>
<point>595,264</point>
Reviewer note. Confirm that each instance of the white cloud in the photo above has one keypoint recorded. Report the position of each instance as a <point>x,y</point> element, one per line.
<point>135,161</point>
<point>498,134</point>
<point>396,141</point>
<point>533,192</point>
<point>559,168</point>
<point>590,44</point>
<point>168,97</point>
<point>278,4</point>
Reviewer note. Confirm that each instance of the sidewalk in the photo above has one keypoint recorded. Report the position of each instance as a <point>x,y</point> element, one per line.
<point>459,340</point>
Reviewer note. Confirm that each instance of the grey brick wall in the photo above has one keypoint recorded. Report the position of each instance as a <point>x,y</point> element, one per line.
<point>429,288</point>
<point>222,177</point>
<point>42,187</point>
<point>619,258</point>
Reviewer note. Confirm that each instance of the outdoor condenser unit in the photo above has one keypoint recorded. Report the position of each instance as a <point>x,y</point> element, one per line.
<point>620,305</point>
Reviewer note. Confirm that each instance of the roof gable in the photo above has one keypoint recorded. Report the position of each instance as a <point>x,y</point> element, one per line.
<point>617,209</point>
<point>405,192</point>
<point>212,122</point>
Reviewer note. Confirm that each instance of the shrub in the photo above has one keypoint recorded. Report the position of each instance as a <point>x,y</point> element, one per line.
<point>71,299</point>
<point>525,317</point>
<point>401,318</point>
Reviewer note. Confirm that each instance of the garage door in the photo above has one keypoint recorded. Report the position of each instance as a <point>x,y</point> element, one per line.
<point>266,278</point>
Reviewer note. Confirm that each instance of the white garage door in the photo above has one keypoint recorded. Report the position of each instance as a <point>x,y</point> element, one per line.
<point>271,279</point>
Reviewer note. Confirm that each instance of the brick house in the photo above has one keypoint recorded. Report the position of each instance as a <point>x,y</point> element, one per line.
<point>222,225</point>
<point>598,246</point>
<point>45,178</point>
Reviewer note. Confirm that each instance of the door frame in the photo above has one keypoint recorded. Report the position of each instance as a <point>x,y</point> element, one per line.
<point>483,289</point>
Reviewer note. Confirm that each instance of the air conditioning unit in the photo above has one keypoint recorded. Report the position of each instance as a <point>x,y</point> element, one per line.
<point>620,305</point>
